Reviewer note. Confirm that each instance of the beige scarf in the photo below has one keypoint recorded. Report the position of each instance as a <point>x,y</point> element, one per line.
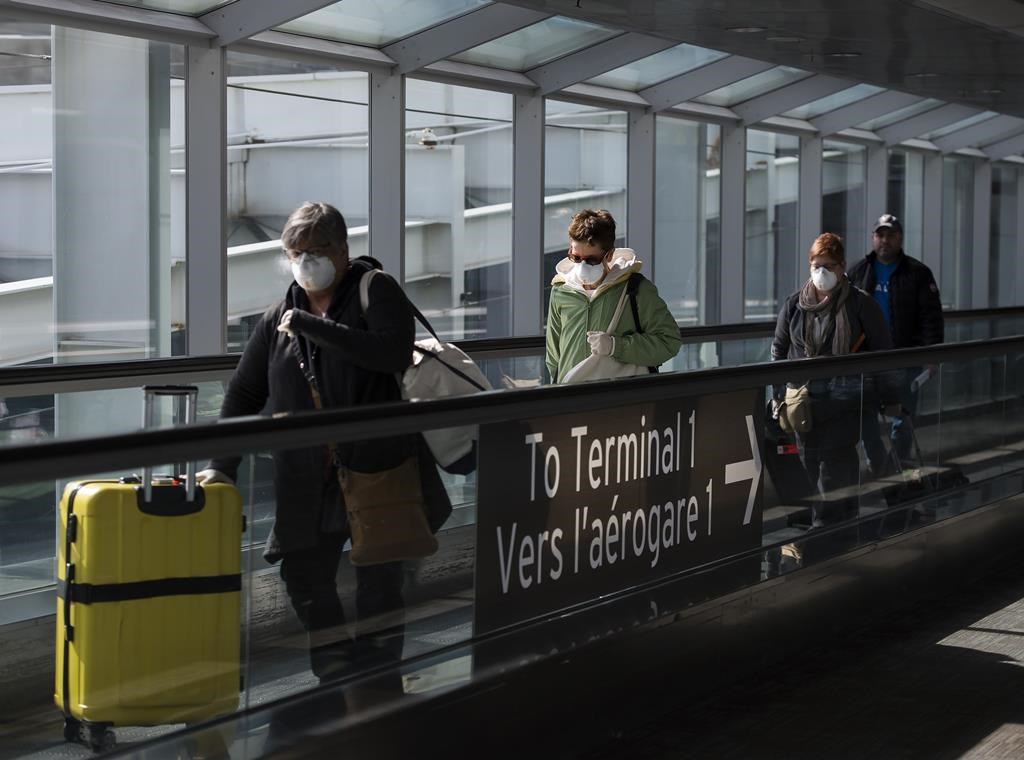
<point>830,309</point>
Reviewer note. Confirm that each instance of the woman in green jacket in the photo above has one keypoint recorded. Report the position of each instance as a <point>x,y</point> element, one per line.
<point>586,291</point>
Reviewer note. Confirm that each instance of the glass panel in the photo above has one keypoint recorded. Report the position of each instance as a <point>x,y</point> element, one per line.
<point>957,231</point>
<point>687,225</point>
<point>900,114</point>
<point>832,102</point>
<point>188,7</point>
<point>371,22</point>
<point>103,101</point>
<point>294,135</point>
<point>773,169</point>
<point>458,208</point>
<point>842,202</point>
<point>657,68</point>
<point>751,87</point>
<point>905,197</point>
<point>962,124</point>
<point>1003,264</point>
<point>584,167</point>
<point>536,44</point>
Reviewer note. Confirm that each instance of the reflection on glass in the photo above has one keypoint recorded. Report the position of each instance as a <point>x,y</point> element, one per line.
<point>687,226</point>
<point>771,225</point>
<point>905,197</point>
<point>957,231</point>
<point>536,44</point>
<point>842,202</point>
<point>900,114</point>
<point>832,102</point>
<point>958,125</point>
<point>78,103</point>
<point>189,7</point>
<point>293,136</point>
<point>1003,264</point>
<point>752,86</point>
<point>658,67</point>
<point>371,22</point>
<point>458,206</point>
<point>584,167</point>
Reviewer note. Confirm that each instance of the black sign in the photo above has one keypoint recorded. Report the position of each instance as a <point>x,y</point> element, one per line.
<point>580,505</point>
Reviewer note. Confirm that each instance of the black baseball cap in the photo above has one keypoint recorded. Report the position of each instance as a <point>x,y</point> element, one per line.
<point>888,220</point>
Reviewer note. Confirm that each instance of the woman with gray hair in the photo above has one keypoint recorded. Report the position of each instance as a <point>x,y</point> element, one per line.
<point>319,335</point>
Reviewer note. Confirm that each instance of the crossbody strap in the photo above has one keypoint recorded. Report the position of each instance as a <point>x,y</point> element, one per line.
<point>364,299</point>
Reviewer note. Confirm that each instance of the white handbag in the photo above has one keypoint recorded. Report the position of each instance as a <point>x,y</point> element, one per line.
<point>595,367</point>
<point>437,370</point>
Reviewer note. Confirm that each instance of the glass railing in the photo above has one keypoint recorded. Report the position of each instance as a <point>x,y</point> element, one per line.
<point>583,493</point>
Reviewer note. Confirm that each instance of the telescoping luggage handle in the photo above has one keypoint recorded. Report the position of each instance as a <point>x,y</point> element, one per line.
<point>187,394</point>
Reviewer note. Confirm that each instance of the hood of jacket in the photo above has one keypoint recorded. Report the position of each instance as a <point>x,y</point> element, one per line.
<point>623,263</point>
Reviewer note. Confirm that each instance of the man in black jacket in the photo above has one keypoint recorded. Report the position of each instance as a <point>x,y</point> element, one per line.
<point>906,290</point>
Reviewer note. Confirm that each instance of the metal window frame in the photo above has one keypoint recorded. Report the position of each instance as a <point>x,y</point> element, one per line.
<point>387,171</point>
<point>125,20</point>
<point>931,208</point>
<point>810,197</point>
<point>782,99</point>
<point>1004,148</point>
<point>528,145</point>
<point>597,59</point>
<point>640,187</point>
<point>928,121</point>
<point>980,258</point>
<point>999,127</point>
<point>864,110</point>
<point>701,80</point>
<point>729,300</point>
<point>459,34</point>
<point>243,18</point>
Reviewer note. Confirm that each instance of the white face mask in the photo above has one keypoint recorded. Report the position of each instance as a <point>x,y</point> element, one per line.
<point>313,273</point>
<point>823,279</point>
<point>588,274</point>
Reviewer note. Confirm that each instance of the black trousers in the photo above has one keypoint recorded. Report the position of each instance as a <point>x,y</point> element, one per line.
<point>829,454</point>
<point>310,580</point>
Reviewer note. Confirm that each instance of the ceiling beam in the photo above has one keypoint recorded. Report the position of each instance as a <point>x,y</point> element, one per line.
<point>782,99</point>
<point>987,131</point>
<point>296,47</point>
<point>111,19</point>
<point>244,18</point>
<point>923,123</point>
<point>1006,147</point>
<point>596,59</point>
<point>703,80</point>
<point>869,108</point>
<point>459,34</point>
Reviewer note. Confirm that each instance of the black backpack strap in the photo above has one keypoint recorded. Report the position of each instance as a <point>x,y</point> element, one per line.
<point>632,286</point>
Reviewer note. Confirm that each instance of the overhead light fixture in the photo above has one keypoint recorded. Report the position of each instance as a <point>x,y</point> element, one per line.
<point>847,54</point>
<point>993,91</point>
<point>745,29</point>
<point>785,39</point>
<point>924,75</point>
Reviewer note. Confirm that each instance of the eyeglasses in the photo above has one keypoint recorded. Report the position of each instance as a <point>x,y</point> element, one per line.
<point>316,251</point>
<point>593,261</point>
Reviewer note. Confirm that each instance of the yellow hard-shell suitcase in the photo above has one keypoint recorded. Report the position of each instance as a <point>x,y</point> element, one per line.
<point>148,607</point>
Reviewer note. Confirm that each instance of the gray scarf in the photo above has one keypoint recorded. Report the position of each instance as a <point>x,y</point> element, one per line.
<point>828,310</point>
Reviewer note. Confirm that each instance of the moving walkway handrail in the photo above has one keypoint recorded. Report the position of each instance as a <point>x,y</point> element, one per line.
<point>62,378</point>
<point>84,456</point>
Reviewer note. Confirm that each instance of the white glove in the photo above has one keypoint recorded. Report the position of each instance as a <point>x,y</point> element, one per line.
<point>206,477</point>
<point>776,408</point>
<point>601,343</point>
<point>285,325</point>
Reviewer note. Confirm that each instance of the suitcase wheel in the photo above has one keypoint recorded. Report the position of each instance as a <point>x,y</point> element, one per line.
<point>100,738</point>
<point>72,730</point>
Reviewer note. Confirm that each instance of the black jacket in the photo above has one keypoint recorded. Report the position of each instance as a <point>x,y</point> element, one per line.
<point>354,358</point>
<point>913,300</point>
<point>865,318</point>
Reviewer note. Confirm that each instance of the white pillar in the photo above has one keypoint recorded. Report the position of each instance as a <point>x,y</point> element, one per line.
<point>206,201</point>
<point>809,204</point>
<point>976,265</point>
<point>931,236</point>
<point>528,215</point>
<point>640,188</point>
<point>387,171</point>
<point>726,279</point>
<point>876,189</point>
<point>1018,253</point>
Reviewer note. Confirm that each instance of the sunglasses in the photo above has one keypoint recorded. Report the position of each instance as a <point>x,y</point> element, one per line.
<point>591,260</point>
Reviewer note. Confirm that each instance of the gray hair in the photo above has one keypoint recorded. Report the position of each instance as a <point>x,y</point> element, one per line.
<point>318,222</point>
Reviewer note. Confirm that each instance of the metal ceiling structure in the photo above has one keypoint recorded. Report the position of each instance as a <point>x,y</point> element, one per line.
<point>942,49</point>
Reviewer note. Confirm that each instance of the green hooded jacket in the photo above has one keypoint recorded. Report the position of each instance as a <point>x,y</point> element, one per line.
<point>574,311</point>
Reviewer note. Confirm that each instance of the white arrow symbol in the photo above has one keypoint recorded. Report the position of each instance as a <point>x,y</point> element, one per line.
<point>748,469</point>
